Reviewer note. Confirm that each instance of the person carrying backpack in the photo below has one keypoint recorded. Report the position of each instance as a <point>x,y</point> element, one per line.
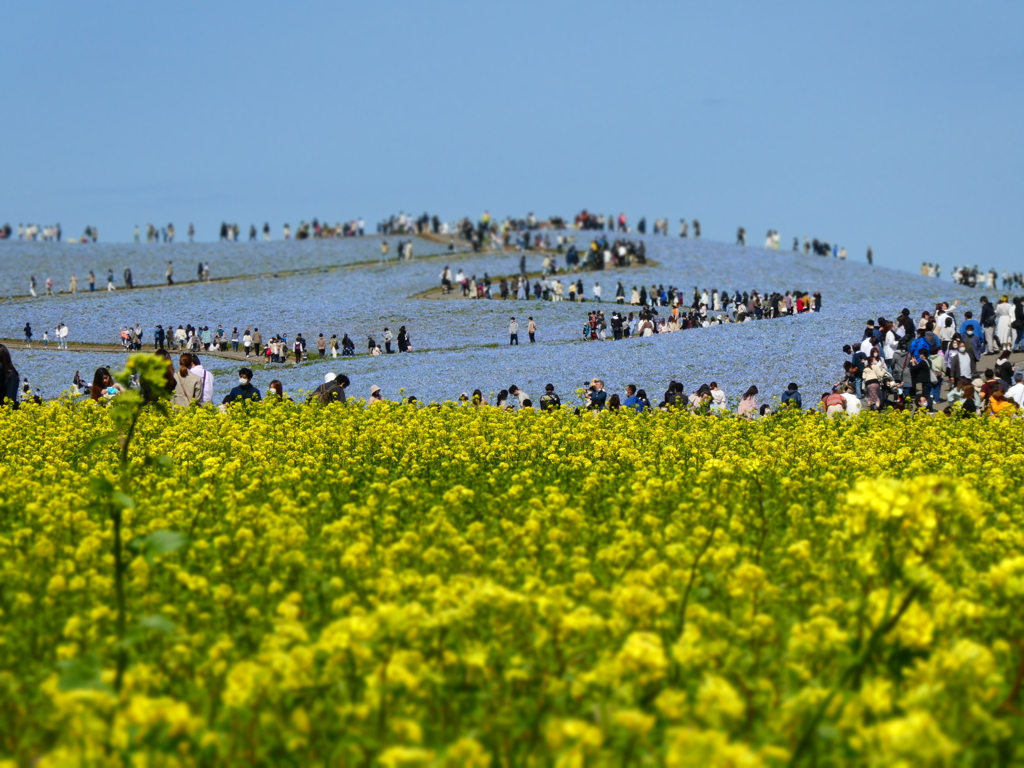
<point>549,401</point>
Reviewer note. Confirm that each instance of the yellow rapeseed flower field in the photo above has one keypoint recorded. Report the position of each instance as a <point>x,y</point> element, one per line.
<point>407,586</point>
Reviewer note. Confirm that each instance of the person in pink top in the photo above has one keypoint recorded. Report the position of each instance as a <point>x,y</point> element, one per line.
<point>748,404</point>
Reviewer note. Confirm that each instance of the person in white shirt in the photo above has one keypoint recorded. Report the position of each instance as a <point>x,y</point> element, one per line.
<point>718,401</point>
<point>207,379</point>
<point>865,345</point>
<point>597,292</point>
<point>852,402</point>
<point>516,392</point>
<point>1016,392</point>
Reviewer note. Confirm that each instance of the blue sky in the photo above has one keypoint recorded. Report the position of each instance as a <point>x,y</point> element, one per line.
<point>897,125</point>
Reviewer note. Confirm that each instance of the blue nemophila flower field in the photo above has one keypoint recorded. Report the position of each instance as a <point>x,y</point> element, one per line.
<point>460,345</point>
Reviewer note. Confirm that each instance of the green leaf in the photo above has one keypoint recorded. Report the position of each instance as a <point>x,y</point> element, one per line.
<point>158,543</point>
<point>123,500</point>
<point>100,486</point>
<point>164,542</point>
<point>157,623</point>
<point>82,674</point>
<point>106,437</point>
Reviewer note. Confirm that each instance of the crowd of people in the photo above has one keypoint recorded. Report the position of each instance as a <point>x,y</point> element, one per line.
<point>973,278</point>
<point>47,233</point>
<point>899,364</point>
<point>250,341</point>
<point>746,307</point>
<point>905,362</point>
<point>600,255</point>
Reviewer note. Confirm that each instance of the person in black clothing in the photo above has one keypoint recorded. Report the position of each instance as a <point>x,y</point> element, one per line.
<point>9,378</point>
<point>988,324</point>
<point>403,340</point>
<point>549,401</point>
<point>347,347</point>
<point>245,390</point>
<point>28,334</point>
<point>335,391</point>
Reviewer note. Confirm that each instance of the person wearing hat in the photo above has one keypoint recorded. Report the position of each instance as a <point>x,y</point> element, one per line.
<point>335,391</point>
<point>319,392</point>
<point>375,396</point>
<point>245,390</point>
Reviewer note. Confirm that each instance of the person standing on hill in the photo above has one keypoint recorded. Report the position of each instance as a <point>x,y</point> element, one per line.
<point>531,329</point>
<point>403,339</point>
<point>513,332</point>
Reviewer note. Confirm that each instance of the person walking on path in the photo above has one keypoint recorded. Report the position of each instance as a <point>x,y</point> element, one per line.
<point>257,341</point>
<point>28,334</point>
<point>32,285</point>
<point>73,285</point>
<point>513,332</point>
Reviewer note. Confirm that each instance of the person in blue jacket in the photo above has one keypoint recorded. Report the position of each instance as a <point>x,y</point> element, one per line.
<point>792,395</point>
<point>970,322</point>
<point>920,345</point>
<point>245,390</point>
